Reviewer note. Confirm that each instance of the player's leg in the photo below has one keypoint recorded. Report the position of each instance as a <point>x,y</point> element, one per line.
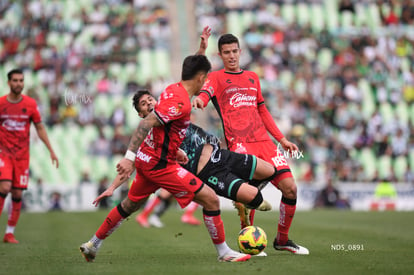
<point>207,198</point>
<point>287,211</point>
<point>19,183</point>
<point>5,187</point>
<point>137,196</point>
<point>158,201</point>
<point>166,199</point>
<point>188,216</point>
<point>14,215</point>
<point>6,177</point>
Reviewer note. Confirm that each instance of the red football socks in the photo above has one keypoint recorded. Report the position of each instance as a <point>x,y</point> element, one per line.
<point>215,227</point>
<point>287,211</point>
<point>112,222</point>
<point>15,212</point>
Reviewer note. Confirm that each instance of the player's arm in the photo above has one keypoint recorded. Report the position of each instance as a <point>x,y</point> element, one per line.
<point>126,166</point>
<point>204,41</point>
<point>272,128</point>
<point>41,132</point>
<point>110,190</point>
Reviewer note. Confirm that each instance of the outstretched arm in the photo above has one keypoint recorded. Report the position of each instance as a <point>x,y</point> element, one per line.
<point>204,41</point>
<point>109,191</point>
<point>41,132</point>
<point>126,166</point>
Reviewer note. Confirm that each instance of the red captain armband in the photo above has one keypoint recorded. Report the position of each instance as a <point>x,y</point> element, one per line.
<point>269,123</point>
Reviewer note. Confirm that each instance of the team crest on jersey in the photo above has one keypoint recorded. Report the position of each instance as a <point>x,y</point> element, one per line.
<point>175,110</point>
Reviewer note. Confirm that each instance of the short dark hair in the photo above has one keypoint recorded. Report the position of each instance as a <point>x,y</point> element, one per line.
<point>12,72</point>
<point>194,64</point>
<point>227,39</point>
<point>137,96</point>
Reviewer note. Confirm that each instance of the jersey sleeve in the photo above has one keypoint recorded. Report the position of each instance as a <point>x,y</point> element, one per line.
<point>169,107</point>
<point>36,117</point>
<point>260,99</point>
<point>208,89</point>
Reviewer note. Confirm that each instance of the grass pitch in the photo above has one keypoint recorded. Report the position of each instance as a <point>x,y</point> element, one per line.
<point>340,242</point>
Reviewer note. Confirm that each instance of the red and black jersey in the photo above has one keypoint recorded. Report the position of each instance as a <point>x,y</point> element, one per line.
<point>15,119</point>
<point>161,144</point>
<point>236,97</point>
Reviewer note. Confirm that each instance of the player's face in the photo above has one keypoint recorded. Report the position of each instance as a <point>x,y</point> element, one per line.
<point>16,83</point>
<point>146,105</point>
<point>230,55</point>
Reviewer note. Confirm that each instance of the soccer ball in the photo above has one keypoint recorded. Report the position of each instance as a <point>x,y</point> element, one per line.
<point>252,240</point>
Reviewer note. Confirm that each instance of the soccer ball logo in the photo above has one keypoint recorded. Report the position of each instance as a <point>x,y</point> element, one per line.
<point>252,240</point>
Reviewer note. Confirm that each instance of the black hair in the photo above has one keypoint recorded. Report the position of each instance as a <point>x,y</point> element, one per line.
<point>12,72</point>
<point>137,96</point>
<point>194,64</point>
<point>227,39</point>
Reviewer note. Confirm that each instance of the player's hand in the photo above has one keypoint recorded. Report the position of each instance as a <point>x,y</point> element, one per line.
<point>125,167</point>
<point>182,157</point>
<point>204,40</point>
<point>104,194</point>
<point>54,158</point>
<point>288,146</point>
<point>198,103</point>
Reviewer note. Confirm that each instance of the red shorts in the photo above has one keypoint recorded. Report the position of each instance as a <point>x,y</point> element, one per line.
<point>16,171</point>
<point>174,178</point>
<point>269,152</point>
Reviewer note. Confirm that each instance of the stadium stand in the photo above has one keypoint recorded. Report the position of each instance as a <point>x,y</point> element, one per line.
<point>346,74</point>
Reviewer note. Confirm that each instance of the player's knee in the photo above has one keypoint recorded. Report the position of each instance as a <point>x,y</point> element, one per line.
<point>290,192</point>
<point>128,206</point>
<point>257,200</point>
<point>207,198</point>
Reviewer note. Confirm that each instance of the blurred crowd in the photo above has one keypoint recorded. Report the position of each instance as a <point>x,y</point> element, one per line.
<point>337,91</point>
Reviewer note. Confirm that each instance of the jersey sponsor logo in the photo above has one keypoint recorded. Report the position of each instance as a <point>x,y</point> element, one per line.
<point>238,100</point>
<point>13,125</point>
<point>143,157</point>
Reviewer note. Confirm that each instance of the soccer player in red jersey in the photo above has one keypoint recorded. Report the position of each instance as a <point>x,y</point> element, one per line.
<point>238,99</point>
<point>17,111</point>
<point>153,148</point>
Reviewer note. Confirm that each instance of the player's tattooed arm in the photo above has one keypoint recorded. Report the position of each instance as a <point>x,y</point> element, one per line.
<point>142,130</point>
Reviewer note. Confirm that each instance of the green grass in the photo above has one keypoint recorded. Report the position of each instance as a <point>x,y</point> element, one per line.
<point>49,245</point>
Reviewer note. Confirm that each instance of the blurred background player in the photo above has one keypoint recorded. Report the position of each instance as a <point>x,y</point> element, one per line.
<point>156,207</point>
<point>17,112</point>
<point>237,97</point>
<point>226,172</point>
<point>153,148</point>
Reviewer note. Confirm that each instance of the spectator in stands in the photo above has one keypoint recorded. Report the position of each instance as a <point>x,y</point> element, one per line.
<point>407,12</point>
<point>346,5</point>
<point>330,197</point>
